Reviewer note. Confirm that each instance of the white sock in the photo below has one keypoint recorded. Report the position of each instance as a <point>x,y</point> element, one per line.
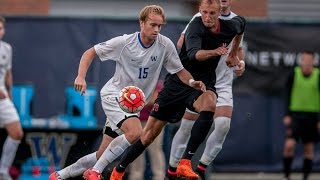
<point>215,140</point>
<point>179,142</point>
<point>9,150</point>
<point>113,151</point>
<point>78,168</point>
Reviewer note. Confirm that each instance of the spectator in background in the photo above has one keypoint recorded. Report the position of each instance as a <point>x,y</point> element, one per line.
<point>156,155</point>
<point>303,107</point>
<point>8,113</point>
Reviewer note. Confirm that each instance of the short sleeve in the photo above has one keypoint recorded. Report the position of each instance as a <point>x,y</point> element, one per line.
<point>172,61</point>
<point>193,39</point>
<point>185,29</point>
<point>111,49</point>
<point>239,24</point>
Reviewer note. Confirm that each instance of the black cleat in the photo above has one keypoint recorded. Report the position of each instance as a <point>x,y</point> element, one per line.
<point>201,174</point>
<point>170,176</point>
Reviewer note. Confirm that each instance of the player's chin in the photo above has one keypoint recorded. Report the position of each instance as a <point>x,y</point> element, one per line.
<point>209,25</point>
<point>154,36</point>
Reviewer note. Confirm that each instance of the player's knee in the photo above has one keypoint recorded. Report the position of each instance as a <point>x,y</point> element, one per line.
<point>147,140</point>
<point>290,143</point>
<point>20,135</point>
<point>208,101</point>
<point>16,135</point>
<point>208,105</point>
<point>133,136</point>
<point>211,106</point>
<point>289,148</point>
<point>308,154</point>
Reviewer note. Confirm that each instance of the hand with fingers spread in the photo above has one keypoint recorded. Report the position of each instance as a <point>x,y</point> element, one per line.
<point>199,85</point>
<point>222,50</point>
<point>80,84</point>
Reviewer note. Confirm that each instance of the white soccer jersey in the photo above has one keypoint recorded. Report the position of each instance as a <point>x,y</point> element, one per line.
<point>224,74</point>
<point>5,62</point>
<point>137,65</point>
<point>8,113</point>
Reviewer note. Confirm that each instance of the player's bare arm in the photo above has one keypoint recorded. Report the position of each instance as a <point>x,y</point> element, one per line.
<point>203,55</point>
<point>233,58</point>
<point>180,41</point>
<point>241,67</point>
<point>187,78</point>
<point>86,59</point>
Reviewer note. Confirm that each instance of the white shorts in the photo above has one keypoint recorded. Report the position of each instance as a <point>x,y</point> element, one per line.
<point>8,112</point>
<point>114,113</point>
<point>225,98</point>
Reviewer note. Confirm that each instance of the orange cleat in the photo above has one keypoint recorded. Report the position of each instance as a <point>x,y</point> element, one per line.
<point>92,175</point>
<point>115,175</point>
<point>184,170</point>
<point>55,176</point>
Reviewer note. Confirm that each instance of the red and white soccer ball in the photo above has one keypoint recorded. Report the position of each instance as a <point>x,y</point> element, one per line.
<point>131,99</point>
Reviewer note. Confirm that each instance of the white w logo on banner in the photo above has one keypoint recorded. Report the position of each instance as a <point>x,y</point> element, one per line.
<point>54,146</point>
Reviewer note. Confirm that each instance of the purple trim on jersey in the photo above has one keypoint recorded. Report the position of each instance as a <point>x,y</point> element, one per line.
<point>142,43</point>
<point>225,15</point>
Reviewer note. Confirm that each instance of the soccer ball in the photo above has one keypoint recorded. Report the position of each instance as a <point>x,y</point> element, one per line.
<point>131,99</point>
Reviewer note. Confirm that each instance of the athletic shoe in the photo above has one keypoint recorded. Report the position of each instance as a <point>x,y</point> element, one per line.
<point>184,169</point>
<point>201,174</point>
<point>170,175</point>
<point>5,176</point>
<point>115,175</point>
<point>55,176</point>
<point>92,175</point>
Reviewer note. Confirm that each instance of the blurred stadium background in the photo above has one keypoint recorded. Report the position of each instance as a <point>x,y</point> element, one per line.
<point>49,37</point>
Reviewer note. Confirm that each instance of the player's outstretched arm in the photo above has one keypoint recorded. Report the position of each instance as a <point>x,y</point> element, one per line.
<point>203,55</point>
<point>180,41</point>
<point>233,59</point>
<point>187,78</point>
<point>86,59</point>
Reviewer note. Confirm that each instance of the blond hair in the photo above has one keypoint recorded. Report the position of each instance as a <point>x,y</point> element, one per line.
<point>151,9</point>
<point>209,2</point>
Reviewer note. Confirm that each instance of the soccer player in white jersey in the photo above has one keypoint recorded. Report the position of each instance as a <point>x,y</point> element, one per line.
<point>223,112</point>
<point>8,114</point>
<point>205,42</point>
<point>139,59</point>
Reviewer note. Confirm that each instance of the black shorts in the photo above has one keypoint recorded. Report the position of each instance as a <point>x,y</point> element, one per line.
<point>173,100</point>
<point>304,129</point>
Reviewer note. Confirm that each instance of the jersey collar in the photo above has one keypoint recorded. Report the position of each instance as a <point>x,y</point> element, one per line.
<point>146,47</point>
